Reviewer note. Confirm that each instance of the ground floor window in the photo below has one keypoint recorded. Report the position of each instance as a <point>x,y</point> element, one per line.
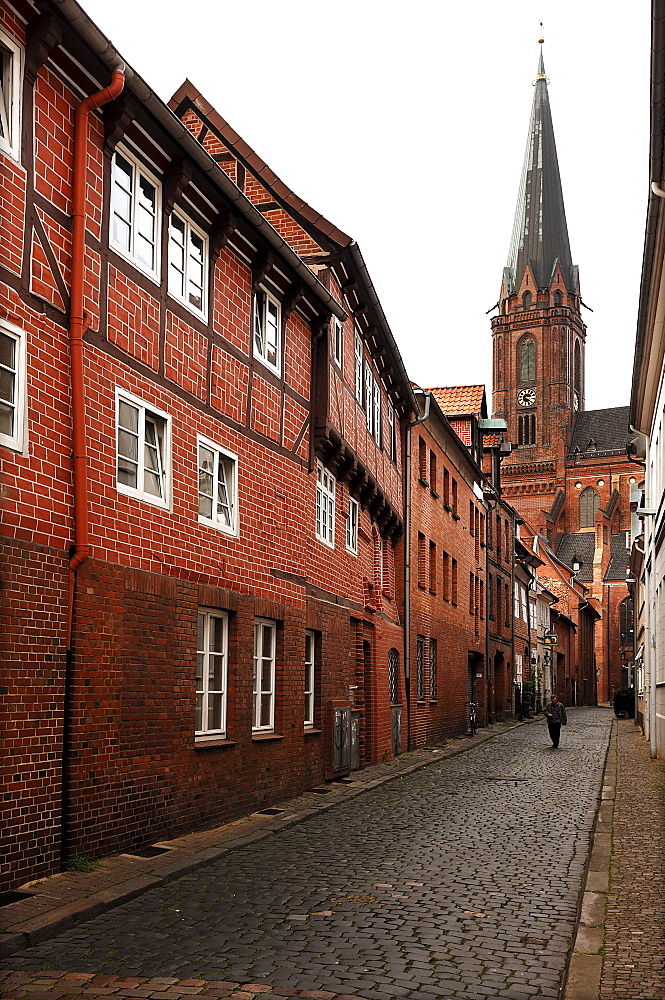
<point>310,652</point>
<point>263,718</point>
<point>211,673</point>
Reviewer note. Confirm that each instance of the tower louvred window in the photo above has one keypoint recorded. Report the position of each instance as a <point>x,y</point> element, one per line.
<point>527,360</point>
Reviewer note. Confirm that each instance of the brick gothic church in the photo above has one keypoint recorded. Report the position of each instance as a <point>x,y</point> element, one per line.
<point>568,474</point>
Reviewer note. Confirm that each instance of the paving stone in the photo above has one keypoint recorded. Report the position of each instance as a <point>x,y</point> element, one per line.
<point>466,841</point>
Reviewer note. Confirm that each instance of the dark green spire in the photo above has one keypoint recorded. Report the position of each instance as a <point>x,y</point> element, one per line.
<point>540,233</point>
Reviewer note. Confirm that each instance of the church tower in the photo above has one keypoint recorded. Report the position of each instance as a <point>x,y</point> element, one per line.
<point>538,334</point>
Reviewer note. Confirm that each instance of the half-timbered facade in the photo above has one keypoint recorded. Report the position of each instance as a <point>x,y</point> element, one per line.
<point>201,473</point>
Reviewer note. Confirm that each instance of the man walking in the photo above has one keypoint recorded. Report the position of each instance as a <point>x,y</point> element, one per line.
<point>555,714</point>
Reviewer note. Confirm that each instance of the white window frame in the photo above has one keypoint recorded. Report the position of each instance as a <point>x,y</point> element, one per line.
<point>130,254</point>
<point>260,690</point>
<point>18,438</point>
<point>338,341</point>
<point>392,434</point>
<point>227,462</point>
<point>325,505</point>
<point>145,409</point>
<point>11,76</point>
<point>203,678</point>
<point>377,413</point>
<point>358,356</point>
<point>352,519</point>
<point>310,677</point>
<point>259,312</point>
<point>369,399</point>
<point>183,295</point>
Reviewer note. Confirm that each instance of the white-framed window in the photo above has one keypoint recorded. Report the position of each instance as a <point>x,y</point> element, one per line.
<point>325,505</point>
<point>392,433</point>
<point>135,212</point>
<point>310,654</point>
<point>263,714</point>
<point>12,386</point>
<point>267,330</point>
<point>211,674</point>
<point>369,399</point>
<point>516,595</point>
<point>218,487</point>
<point>359,368</point>
<point>188,263</point>
<point>372,405</point>
<point>519,673</point>
<point>11,80</point>
<point>352,526</point>
<point>338,334</point>
<point>143,449</point>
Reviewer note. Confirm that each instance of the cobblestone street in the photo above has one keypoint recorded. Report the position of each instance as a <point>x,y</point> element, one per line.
<point>460,880</point>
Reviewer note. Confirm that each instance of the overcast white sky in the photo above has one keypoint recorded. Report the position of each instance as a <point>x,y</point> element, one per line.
<point>405,125</point>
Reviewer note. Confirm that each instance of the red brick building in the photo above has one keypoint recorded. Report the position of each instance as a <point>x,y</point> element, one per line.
<point>201,471</point>
<point>466,409</point>
<point>445,577</point>
<point>567,474</point>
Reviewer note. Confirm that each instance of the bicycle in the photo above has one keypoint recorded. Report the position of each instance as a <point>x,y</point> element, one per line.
<point>473,718</point>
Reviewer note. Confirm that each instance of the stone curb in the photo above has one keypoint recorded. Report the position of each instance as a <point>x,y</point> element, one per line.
<point>26,933</point>
<point>585,962</point>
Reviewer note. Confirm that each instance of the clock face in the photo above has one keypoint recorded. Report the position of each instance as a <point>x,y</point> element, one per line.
<point>526,397</point>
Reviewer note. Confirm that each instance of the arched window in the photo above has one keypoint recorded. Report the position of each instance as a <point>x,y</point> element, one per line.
<point>577,372</point>
<point>589,507</point>
<point>527,360</point>
<point>558,298</point>
<point>526,300</point>
<point>393,676</point>
<point>626,623</point>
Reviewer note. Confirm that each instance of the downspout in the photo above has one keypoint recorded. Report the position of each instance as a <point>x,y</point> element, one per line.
<point>407,563</point>
<point>77,327</point>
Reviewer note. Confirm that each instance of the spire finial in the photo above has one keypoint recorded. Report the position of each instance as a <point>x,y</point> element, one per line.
<point>541,64</point>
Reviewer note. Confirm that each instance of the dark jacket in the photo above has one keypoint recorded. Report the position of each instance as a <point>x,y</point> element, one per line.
<point>555,712</point>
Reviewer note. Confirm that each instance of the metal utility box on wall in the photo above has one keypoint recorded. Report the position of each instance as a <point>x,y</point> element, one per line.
<point>338,739</point>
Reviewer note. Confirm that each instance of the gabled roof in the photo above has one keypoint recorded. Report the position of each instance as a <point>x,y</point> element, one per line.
<point>540,232</point>
<point>456,400</point>
<point>337,250</point>
<point>601,432</point>
<point>619,557</point>
<point>187,91</point>
<point>583,546</point>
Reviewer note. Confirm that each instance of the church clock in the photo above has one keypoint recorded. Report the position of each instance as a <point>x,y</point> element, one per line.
<point>526,397</point>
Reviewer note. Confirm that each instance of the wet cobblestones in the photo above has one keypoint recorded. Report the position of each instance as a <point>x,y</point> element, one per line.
<point>460,880</point>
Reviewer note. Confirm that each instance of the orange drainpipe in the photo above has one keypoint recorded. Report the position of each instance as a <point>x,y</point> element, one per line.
<point>77,328</point>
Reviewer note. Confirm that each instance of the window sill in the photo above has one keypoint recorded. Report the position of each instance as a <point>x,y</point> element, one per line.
<point>456,516</point>
<point>432,592</point>
<point>310,731</point>
<point>434,494</point>
<point>447,506</point>
<point>214,744</point>
<point>423,482</point>
<point>265,737</point>
<point>434,701</point>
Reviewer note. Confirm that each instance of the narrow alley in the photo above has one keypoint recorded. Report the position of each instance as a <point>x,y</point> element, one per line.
<point>460,880</point>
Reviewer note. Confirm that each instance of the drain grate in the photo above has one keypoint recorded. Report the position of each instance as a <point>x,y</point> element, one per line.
<point>14,897</point>
<point>320,791</point>
<point>148,852</point>
<point>271,812</point>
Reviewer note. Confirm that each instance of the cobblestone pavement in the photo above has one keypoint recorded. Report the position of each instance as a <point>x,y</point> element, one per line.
<point>460,880</point>
<point>634,962</point>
